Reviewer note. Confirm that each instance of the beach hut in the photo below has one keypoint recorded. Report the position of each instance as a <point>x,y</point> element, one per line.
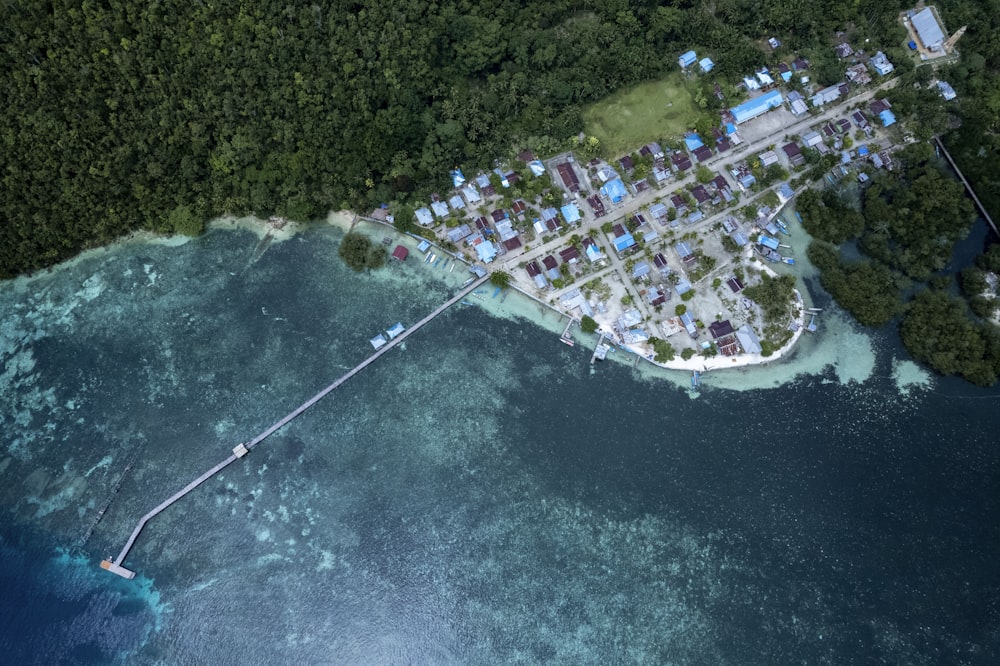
<point>400,253</point>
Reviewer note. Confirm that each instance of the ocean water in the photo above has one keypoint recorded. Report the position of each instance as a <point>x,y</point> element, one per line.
<point>481,496</point>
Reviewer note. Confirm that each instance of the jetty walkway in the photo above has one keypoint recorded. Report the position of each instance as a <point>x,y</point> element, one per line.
<point>115,566</point>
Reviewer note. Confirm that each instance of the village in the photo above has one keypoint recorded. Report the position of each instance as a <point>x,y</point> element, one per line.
<point>662,250</point>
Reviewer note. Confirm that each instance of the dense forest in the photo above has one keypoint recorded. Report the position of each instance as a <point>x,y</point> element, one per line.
<point>906,230</point>
<point>157,114</point>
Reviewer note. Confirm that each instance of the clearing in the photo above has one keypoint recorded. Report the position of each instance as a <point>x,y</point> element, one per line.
<point>647,112</point>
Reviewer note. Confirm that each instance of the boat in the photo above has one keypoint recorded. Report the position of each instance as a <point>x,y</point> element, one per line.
<point>429,257</point>
<point>798,216</point>
<point>468,282</point>
<point>782,227</point>
<point>452,269</point>
<point>788,260</point>
<point>695,380</point>
<point>438,261</point>
<point>496,292</point>
<point>567,341</point>
<point>446,262</point>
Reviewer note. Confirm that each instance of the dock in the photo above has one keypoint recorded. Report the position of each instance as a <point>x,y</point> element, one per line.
<point>600,351</point>
<point>566,337</point>
<point>240,450</point>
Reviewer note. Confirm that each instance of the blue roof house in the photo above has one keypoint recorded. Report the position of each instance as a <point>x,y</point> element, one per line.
<point>706,65</point>
<point>623,243</point>
<point>758,106</point>
<point>570,213</point>
<point>687,59</point>
<point>693,142</point>
<point>593,253</point>
<point>614,190</point>
<point>457,178</point>
<point>887,117</point>
<point>862,151</point>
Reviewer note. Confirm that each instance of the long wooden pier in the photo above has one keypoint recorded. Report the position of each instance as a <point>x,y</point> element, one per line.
<point>115,566</point>
<point>968,187</point>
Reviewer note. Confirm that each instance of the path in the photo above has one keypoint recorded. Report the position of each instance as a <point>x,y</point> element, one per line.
<point>115,566</point>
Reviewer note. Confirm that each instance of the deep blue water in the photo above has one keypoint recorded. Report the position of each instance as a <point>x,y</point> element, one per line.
<point>479,497</point>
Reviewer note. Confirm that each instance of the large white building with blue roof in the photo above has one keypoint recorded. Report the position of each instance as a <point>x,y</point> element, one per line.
<point>757,106</point>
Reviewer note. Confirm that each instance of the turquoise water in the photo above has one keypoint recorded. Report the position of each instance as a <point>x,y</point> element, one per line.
<point>480,496</point>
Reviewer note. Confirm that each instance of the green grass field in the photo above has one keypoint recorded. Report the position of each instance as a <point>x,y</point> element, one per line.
<point>647,112</point>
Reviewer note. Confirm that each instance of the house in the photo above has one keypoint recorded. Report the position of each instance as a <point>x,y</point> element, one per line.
<point>800,65</point>
<point>859,75</point>
<point>569,178</point>
<point>570,213</point>
<point>887,117</point>
<point>879,105</point>
<point>519,207</point>
<point>551,267</point>
<point>661,264</point>
<point>685,253</point>
<point>640,270</point>
<point>400,253</point>
<point>572,299</point>
<point>724,336</point>
<point>764,76</point>
<point>706,65</point>
<point>424,216</point>
<point>618,230</point>
<point>843,50</point>
<point>498,215</point>
<point>880,63</point>
<point>457,178</point>
<point>681,161</point>
<point>797,103</point>
<point>440,208</point>
<point>748,339</point>
<point>812,139</point>
<point>653,150</point>
<point>658,212</point>
<point>829,130</point>
<point>661,174</point>
<point>535,273</point>
<point>569,255</point>
<point>485,186</point>
<point>859,119</point>
<point>768,158</point>
<point>723,145</point>
<point>656,296</point>
<point>785,72</point>
<point>536,167</point>
<point>928,30</point>
<point>793,153</point>
<point>627,164</point>
<point>596,205</point>
<point>640,186</point>
<point>692,141</point>
<point>606,173</point>
<point>694,216</point>
<point>459,233</point>
<point>826,95</point>
<point>424,246</point>
<point>689,324</point>
<point>843,125</point>
<point>700,194</point>
<point>485,250</point>
<point>678,203</point>
<point>773,43</point>
<point>456,202</point>
<point>877,161</point>
<point>735,284</point>
<point>614,190</point>
<point>471,194</point>
<point>511,243</point>
<point>649,235</point>
<point>505,230</point>
<point>525,156</point>
<point>687,59</point>
<point>703,153</point>
<point>739,238</point>
<point>785,192</point>
<point>758,106</point>
<point>946,90</point>
<point>750,83</point>
<point>590,249</point>
<point>624,241</point>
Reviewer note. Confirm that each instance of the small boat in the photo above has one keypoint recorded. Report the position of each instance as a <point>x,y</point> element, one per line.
<point>782,227</point>
<point>468,282</point>
<point>788,260</point>
<point>429,258</point>
<point>446,262</point>
<point>695,380</point>
<point>452,269</point>
<point>567,341</point>
<point>438,261</point>
<point>798,216</point>
<point>496,292</point>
